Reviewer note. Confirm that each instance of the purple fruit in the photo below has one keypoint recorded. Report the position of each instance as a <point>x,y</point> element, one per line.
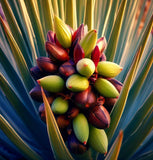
<point>85,99</point>
<point>99,117</point>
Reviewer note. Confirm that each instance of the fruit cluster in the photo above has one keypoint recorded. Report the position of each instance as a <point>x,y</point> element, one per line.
<point>79,84</point>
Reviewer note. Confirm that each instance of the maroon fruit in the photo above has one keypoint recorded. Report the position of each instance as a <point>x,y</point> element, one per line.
<point>62,121</point>
<point>99,117</point>
<point>67,69</point>
<point>46,65</point>
<point>85,99</point>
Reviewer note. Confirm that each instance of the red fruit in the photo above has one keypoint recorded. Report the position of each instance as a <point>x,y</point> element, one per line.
<point>57,52</point>
<point>46,65</point>
<point>78,53</point>
<point>62,121</point>
<point>50,36</point>
<point>85,99</point>
<point>99,117</point>
<point>72,112</point>
<point>95,56</point>
<point>67,69</point>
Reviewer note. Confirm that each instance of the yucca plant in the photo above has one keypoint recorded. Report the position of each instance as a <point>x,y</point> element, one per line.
<point>127,27</point>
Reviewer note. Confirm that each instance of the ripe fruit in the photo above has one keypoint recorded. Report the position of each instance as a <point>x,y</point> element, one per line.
<point>99,117</point>
<point>85,99</point>
<point>85,67</point>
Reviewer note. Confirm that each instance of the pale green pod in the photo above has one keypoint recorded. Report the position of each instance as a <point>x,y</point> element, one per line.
<point>63,32</point>
<point>98,139</point>
<point>77,83</point>
<point>60,105</point>
<point>81,128</point>
<point>106,88</point>
<point>52,83</point>
<point>85,67</point>
<point>88,43</point>
<point>108,69</point>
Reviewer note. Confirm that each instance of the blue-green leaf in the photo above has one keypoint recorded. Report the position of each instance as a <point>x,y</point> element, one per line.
<point>56,141</point>
<point>113,40</point>
<point>17,140</point>
<point>115,149</point>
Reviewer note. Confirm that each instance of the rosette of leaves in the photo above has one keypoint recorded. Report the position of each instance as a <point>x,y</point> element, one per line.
<point>127,27</point>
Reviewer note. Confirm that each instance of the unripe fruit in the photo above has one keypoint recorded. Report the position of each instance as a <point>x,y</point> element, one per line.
<point>52,83</point>
<point>106,88</point>
<point>98,139</point>
<point>59,105</point>
<point>77,83</point>
<point>63,32</point>
<point>81,128</point>
<point>108,69</point>
<point>85,67</point>
<point>88,42</point>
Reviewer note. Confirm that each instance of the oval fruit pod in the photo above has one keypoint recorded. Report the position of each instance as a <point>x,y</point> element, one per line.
<point>99,117</point>
<point>66,69</point>
<point>98,139</point>
<point>60,105</point>
<point>85,67</point>
<point>52,83</point>
<point>106,88</point>
<point>81,128</point>
<point>75,145</point>
<point>88,42</point>
<point>56,52</point>
<point>63,32</point>
<point>77,83</point>
<point>85,99</point>
<point>108,69</point>
<point>46,65</point>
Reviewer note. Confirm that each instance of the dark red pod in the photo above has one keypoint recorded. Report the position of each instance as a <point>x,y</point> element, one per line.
<point>75,146</point>
<point>78,53</point>
<point>109,103</point>
<point>50,36</point>
<point>57,52</point>
<point>36,73</point>
<point>85,99</point>
<point>67,69</point>
<point>46,65</point>
<point>99,117</point>
<point>72,112</point>
<point>36,94</point>
<point>41,110</point>
<point>95,56</point>
<point>62,121</point>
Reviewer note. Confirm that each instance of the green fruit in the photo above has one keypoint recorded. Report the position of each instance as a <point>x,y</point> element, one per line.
<point>60,106</point>
<point>81,128</point>
<point>108,69</point>
<point>77,83</point>
<point>63,32</point>
<point>88,42</point>
<point>85,67</point>
<point>52,83</point>
<point>106,88</point>
<point>98,139</point>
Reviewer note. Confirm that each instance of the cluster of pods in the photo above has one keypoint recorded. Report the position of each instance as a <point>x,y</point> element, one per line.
<point>79,84</point>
